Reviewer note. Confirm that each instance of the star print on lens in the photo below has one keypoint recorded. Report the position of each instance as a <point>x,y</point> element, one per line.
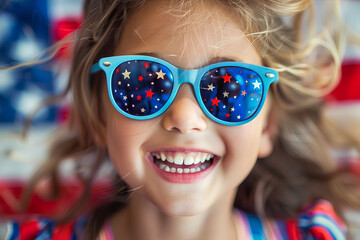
<point>235,93</point>
<point>145,87</point>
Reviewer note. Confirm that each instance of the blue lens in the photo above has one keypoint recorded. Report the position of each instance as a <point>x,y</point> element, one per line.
<point>141,88</point>
<point>231,94</point>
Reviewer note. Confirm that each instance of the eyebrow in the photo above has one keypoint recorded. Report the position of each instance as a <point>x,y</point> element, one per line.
<point>211,61</point>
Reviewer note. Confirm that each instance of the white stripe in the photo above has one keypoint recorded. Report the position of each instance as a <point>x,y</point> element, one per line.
<point>324,222</point>
<point>9,231</point>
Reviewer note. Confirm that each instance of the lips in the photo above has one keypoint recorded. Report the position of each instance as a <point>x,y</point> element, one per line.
<point>183,167</point>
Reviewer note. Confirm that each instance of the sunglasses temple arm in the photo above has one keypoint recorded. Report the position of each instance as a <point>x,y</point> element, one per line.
<point>95,68</point>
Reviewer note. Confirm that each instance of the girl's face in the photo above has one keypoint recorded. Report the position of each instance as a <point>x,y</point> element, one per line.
<point>208,34</point>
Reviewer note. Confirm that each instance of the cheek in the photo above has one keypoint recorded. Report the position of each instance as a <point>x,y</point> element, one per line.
<point>124,140</point>
<point>120,148</point>
<point>242,147</point>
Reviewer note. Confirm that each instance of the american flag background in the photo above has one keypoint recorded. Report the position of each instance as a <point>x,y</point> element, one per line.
<point>28,27</point>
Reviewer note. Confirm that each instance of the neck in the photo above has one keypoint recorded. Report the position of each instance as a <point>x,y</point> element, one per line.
<point>142,220</point>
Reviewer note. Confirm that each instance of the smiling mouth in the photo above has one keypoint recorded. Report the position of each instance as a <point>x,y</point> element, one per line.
<point>183,163</point>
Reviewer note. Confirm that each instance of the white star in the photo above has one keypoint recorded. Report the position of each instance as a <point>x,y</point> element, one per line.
<point>211,87</point>
<point>160,74</point>
<point>133,105</point>
<point>126,74</point>
<point>158,99</point>
<point>224,106</point>
<point>132,95</point>
<point>142,110</point>
<point>232,109</point>
<point>152,83</point>
<point>256,84</point>
<point>115,90</point>
<point>156,106</point>
<point>119,83</point>
<point>238,117</point>
<point>226,94</point>
<point>125,97</point>
<point>128,85</point>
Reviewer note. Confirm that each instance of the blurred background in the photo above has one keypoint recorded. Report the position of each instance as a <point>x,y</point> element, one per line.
<point>27,28</point>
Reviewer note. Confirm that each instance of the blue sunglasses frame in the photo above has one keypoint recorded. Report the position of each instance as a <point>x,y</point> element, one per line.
<point>180,76</point>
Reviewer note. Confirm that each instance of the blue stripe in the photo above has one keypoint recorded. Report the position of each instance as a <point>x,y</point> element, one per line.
<point>256,227</point>
<point>14,231</point>
<point>282,230</point>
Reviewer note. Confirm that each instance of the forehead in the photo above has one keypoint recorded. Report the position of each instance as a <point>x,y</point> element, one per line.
<point>186,35</point>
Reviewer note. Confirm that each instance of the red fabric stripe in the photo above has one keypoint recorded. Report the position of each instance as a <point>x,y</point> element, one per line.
<point>29,230</point>
<point>321,233</point>
<point>63,232</point>
<point>293,231</point>
<point>349,86</point>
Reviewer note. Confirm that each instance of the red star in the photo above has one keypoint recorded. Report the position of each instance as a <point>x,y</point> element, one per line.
<point>226,78</point>
<point>141,78</point>
<point>149,93</point>
<point>227,115</point>
<point>215,101</point>
<point>146,65</point>
<point>117,70</point>
<point>243,93</point>
<point>138,97</point>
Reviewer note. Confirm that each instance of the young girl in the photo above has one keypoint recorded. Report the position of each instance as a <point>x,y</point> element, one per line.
<point>211,114</point>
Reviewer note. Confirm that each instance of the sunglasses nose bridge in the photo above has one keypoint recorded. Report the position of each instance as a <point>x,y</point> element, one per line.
<point>187,76</point>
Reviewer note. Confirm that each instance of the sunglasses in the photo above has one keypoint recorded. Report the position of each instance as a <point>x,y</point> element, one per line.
<point>143,87</point>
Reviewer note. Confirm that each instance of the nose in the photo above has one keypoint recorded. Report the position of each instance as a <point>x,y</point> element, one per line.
<point>184,114</point>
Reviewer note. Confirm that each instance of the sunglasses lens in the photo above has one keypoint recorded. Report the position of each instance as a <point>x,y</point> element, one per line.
<point>141,88</point>
<point>231,94</point>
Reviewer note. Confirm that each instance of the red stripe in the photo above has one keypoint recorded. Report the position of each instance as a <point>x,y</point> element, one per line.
<point>29,230</point>
<point>63,232</point>
<point>349,86</point>
<point>293,230</point>
<point>321,233</point>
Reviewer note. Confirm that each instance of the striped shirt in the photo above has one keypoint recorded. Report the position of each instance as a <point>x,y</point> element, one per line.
<point>317,222</point>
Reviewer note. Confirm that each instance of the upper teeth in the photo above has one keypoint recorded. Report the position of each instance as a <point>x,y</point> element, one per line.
<point>183,158</point>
